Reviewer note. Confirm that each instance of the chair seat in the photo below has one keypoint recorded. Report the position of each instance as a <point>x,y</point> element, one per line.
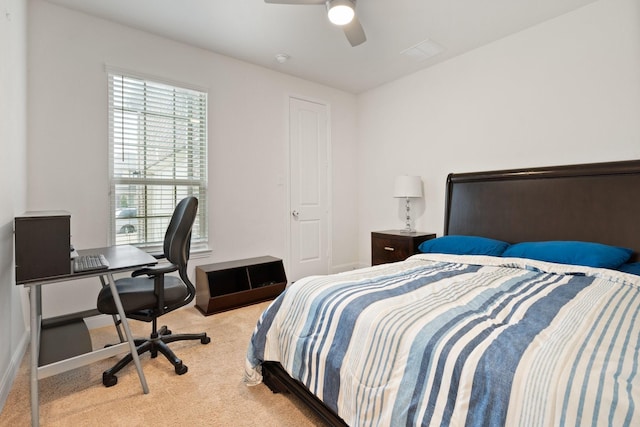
<point>136,293</point>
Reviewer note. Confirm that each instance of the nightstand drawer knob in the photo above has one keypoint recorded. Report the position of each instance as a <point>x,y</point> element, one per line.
<point>388,248</point>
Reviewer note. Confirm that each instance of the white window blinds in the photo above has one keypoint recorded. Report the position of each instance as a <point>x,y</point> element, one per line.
<point>158,152</point>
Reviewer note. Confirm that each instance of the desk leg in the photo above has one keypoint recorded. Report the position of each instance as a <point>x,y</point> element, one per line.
<point>116,320</point>
<point>34,297</point>
<point>127,331</point>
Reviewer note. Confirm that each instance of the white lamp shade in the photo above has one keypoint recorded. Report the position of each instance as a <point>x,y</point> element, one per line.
<point>408,186</point>
<point>340,12</point>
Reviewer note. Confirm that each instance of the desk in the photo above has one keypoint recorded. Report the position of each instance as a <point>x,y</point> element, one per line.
<point>121,258</point>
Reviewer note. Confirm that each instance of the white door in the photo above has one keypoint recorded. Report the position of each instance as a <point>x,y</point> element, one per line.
<point>309,164</point>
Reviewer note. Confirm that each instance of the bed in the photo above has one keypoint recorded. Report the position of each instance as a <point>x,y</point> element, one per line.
<point>525,312</point>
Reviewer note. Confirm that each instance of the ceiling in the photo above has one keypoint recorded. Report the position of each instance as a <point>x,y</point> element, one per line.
<point>253,31</point>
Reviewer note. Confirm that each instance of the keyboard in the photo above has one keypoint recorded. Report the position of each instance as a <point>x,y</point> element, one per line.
<point>89,263</point>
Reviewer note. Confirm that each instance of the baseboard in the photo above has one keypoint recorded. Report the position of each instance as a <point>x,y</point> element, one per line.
<point>343,267</point>
<point>12,370</point>
<point>98,321</point>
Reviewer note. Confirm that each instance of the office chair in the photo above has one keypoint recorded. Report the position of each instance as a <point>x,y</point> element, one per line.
<point>150,292</point>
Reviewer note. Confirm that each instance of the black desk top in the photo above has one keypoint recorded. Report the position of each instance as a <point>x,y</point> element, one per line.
<point>120,258</point>
<point>123,257</point>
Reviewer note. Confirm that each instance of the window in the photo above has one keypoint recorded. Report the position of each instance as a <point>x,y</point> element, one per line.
<point>158,156</point>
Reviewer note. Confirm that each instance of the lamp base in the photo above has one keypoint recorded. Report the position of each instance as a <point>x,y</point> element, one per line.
<point>407,223</point>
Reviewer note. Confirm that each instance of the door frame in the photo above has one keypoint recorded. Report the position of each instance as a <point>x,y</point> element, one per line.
<point>288,217</point>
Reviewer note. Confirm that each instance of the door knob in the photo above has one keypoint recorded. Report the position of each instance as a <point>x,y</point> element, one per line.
<point>295,214</point>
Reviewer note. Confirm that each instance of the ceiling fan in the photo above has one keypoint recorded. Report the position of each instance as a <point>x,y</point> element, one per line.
<point>341,13</point>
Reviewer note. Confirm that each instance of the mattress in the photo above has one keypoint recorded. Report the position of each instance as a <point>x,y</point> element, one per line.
<point>461,340</point>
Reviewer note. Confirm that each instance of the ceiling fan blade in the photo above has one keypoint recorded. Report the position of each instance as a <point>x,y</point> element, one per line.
<point>295,1</point>
<point>355,32</point>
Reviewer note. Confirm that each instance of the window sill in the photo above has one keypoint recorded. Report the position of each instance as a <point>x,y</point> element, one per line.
<point>200,253</point>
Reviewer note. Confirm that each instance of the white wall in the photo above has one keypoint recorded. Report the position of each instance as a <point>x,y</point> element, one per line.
<point>13,187</point>
<point>247,139</point>
<point>566,91</point>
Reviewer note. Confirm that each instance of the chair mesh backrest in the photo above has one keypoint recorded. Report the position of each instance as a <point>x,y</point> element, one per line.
<point>177,239</point>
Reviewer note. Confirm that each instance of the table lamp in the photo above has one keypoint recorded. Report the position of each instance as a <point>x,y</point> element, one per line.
<point>408,186</point>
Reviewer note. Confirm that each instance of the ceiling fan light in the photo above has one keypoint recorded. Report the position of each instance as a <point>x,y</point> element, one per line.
<point>340,12</point>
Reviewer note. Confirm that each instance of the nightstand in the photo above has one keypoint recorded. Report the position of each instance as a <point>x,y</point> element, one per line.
<point>395,245</point>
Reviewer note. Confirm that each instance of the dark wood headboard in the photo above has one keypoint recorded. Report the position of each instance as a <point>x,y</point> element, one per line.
<point>598,202</point>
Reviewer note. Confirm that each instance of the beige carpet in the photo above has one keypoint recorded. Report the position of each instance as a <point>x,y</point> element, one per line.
<point>212,393</point>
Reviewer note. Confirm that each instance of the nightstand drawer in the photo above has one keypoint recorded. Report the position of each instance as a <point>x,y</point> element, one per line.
<point>389,250</point>
<point>394,245</point>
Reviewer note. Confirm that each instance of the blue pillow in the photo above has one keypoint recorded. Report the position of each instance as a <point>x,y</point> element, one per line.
<point>463,245</point>
<point>571,252</point>
<point>631,267</point>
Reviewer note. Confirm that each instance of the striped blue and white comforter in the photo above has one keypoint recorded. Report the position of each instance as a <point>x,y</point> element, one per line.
<point>461,340</point>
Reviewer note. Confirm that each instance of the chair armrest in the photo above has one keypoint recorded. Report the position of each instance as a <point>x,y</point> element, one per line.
<point>155,270</point>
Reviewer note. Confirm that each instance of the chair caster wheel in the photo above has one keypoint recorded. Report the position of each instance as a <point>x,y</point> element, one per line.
<point>109,380</point>
<point>181,369</point>
<point>205,340</point>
